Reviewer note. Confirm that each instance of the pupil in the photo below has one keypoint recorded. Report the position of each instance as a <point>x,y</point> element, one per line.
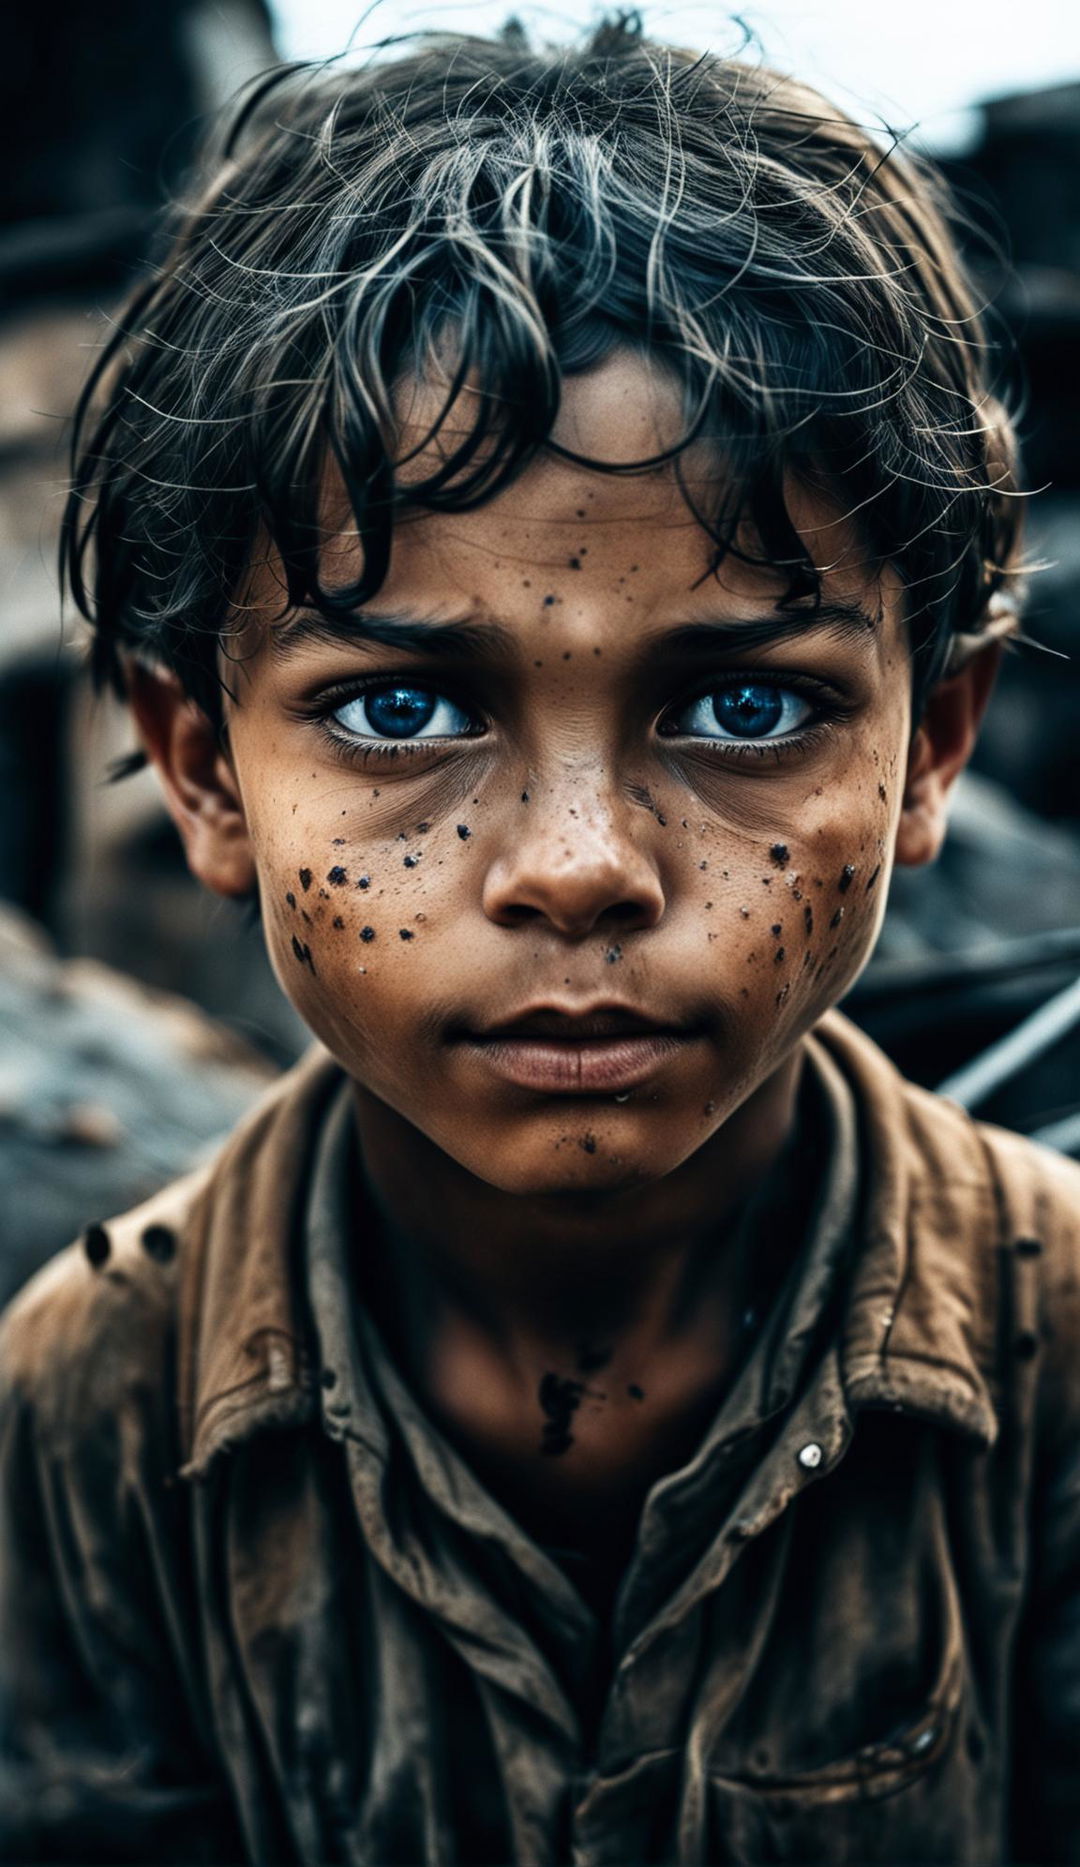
<point>750,711</point>
<point>398,711</point>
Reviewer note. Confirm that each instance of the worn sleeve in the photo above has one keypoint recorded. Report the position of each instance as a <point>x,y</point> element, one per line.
<point>1046,1697</point>
<point>102,1757</point>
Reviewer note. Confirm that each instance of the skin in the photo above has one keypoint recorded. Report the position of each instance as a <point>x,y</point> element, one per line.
<point>731,892</point>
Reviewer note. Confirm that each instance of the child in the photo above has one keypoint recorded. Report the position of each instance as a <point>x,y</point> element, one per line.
<point>550,522</point>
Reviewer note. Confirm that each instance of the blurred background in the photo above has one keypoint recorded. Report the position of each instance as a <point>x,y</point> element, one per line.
<point>138,1018</point>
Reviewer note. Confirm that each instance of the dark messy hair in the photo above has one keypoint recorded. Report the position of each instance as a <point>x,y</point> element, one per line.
<point>487,214</point>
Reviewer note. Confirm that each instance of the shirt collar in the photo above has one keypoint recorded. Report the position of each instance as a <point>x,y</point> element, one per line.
<point>917,1334</point>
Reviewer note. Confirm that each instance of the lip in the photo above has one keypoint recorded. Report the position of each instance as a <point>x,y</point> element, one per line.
<point>604,1050</point>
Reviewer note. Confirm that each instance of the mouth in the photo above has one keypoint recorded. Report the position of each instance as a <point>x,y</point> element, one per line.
<point>605,1050</point>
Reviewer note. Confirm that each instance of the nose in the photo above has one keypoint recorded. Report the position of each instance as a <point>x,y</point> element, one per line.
<point>572,860</point>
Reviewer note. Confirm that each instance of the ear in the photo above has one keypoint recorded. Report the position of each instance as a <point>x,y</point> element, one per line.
<point>197,777</point>
<point>940,747</point>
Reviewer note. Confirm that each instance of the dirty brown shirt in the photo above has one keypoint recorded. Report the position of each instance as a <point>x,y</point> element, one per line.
<point>246,1615</point>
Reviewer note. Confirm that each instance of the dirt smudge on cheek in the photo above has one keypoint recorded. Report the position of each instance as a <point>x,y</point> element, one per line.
<point>559,1400</point>
<point>305,879</point>
<point>302,954</point>
<point>847,876</point>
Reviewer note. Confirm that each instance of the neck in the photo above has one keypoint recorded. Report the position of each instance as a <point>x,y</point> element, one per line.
<point>536,1278</point>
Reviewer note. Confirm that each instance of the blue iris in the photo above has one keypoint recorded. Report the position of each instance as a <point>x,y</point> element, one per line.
<point>399,712</point>
<point>750,711</point>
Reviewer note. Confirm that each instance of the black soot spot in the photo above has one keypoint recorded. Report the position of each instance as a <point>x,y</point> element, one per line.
<point>559,1400</point>
<point>464,832</point>
<point>613,955</point>
<point>588,1143</point>
<point>406,933</point>
<point>338,842</point>
<point>410,862</point>
<point>290,898</point>
<point>549,602</point>
<point>364,882</point>
<point>780,854</point>
<point>778,956</point>
<point>591,1358</point>
<point>422,829</point>
<point>635,1392</point>
<point>337,877</point>
<point>846,878</point>
<point>574,563</point>
<point>524,797</point>
<point>837,918</point>
<point>338,922</point>
<point>777,928</point>
<point>873,879</point>
<point>159,1243</point>
<point>303,953</point>
<point>305,879</point>
<point>367,934</point>
<point>808,917</point>
<point>96,1245</point>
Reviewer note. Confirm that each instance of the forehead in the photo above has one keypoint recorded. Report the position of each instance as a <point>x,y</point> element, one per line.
<point>618,483</point>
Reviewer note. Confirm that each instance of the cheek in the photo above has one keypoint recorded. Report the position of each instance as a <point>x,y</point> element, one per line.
<point>351,922</point>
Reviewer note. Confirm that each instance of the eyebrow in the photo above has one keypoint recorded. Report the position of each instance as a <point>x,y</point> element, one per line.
<point>466,639</point>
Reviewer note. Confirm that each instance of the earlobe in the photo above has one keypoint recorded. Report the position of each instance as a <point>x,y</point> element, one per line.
<point>201,792</point>
<point>941,746</point>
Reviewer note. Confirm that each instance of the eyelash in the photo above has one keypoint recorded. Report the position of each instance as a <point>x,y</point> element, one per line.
<point>830,711</point>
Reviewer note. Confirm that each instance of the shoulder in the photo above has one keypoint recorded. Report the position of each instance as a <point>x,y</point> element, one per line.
<point>92,1335</point>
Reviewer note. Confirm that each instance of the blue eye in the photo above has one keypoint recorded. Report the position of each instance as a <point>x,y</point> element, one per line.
<point>745,710</point>
<point>400,711</point>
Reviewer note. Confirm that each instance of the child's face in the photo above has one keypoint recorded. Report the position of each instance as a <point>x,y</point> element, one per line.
<point>594,795</point>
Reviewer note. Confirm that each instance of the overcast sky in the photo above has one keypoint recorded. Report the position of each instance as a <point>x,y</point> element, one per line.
<point>924,61</point>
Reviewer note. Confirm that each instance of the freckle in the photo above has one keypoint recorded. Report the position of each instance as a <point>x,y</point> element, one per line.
<point>305,879</point>
<point>588,1143</point>
<point>464,832</point>
<point>837,918</point>
<point>338,922</point>
<point>405,933</point>
<point>581,512</point>
<point>633,569</point>
<point>780,854</point>
<point>808,917</point>
<point>410,862</point>
<point>598,651</point>
<point>778,956</point>
<point>367,934</point>
<point>526,583</point>
<point>291,898</point>
<point>538,664</point>
<point>708,905</point>
<point>364,881</point>
<point>870,884</point>
<point>777,928</point>
<point>567,655</point>
<point>846,878</point>
<point>337,876</point>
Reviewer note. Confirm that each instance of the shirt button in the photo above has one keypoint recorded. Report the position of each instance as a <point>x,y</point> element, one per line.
<point>810,1456</point>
